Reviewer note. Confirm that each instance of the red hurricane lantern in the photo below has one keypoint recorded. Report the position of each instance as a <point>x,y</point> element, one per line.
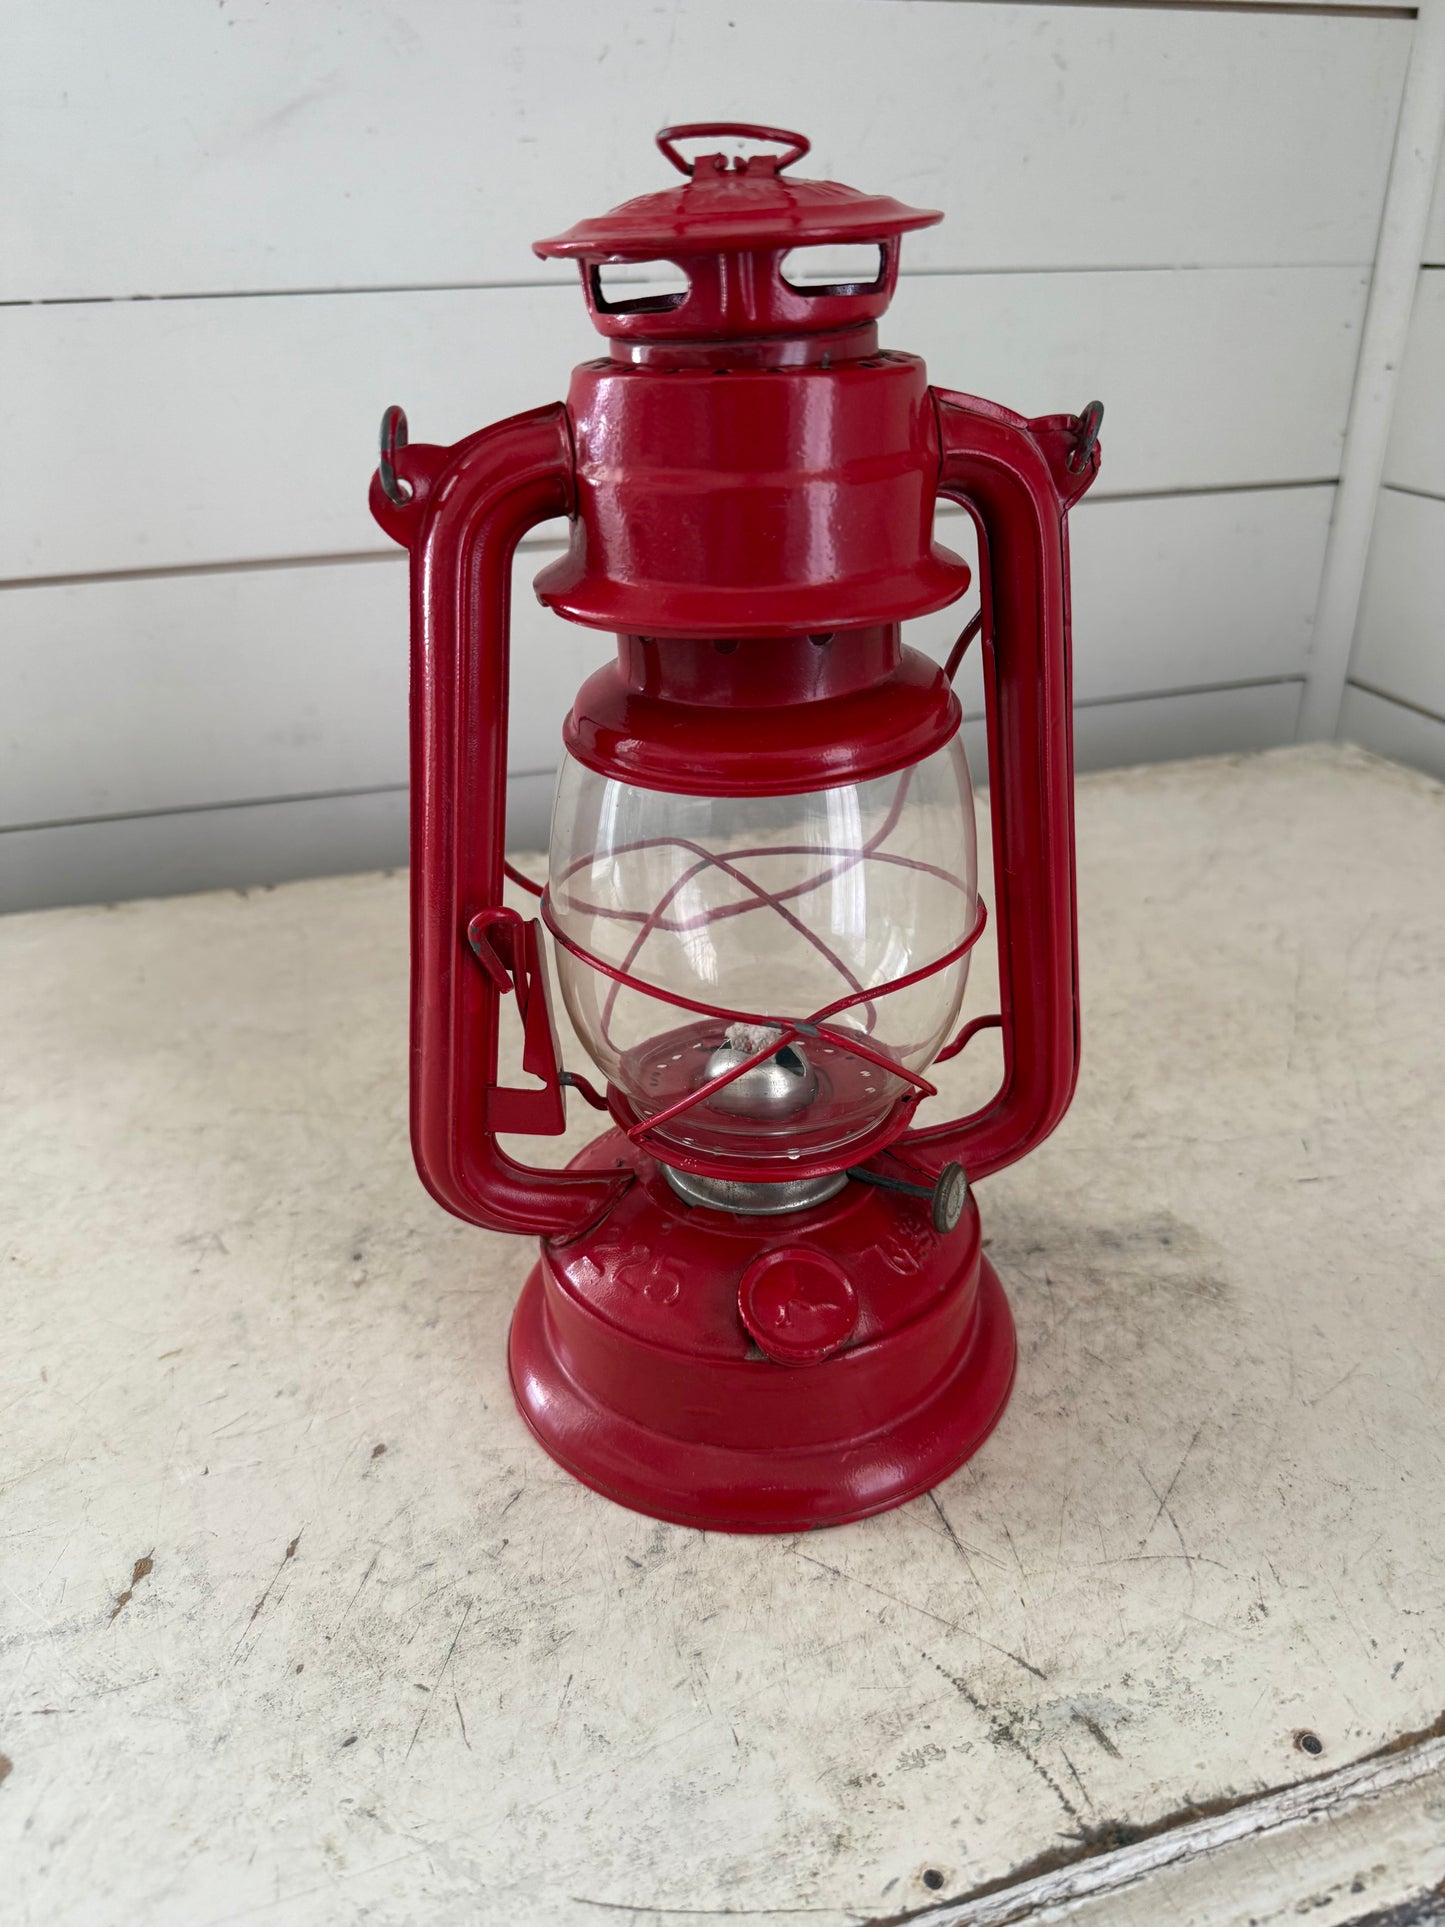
<point>761,1302</point>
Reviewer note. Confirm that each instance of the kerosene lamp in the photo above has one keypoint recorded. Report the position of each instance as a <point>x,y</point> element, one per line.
<point>761,1301</point>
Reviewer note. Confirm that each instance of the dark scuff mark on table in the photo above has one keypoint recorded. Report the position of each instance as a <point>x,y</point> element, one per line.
<point>431,1692</point>
<point>958,1544</point>
<point>142,1569</point>
<point>912,1606</point>
<point>354,1597</point>
<point>1002,1732</point>
<point>1097,1733</point>
<point>1163,1508</point>
<point>286,1557</point>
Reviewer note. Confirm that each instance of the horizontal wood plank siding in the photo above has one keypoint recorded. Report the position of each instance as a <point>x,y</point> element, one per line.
<point>191,690</point>
<point>270,147</point>
<point>1416,456</point>
<point>173,434</point>
<point>1394,730</point>
<point>1394,698</point>
<point>255,844</point>
<point>1435,236</point>
<point>1400,642</point>
<point>232,234</point>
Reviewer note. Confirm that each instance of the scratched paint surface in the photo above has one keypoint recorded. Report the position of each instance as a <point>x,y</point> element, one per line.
<point>298,1624</point>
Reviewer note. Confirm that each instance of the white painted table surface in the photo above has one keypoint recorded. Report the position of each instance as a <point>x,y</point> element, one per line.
<point>299,1624</point>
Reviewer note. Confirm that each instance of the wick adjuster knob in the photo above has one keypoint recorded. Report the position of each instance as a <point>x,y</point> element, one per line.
<point>946,1196</point>
<point>950,1195</point>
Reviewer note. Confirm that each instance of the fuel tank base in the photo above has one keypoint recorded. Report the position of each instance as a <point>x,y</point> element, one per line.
<point>631,1361</point>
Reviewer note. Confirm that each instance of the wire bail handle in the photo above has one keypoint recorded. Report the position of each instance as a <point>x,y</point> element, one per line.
<point>795,145</point>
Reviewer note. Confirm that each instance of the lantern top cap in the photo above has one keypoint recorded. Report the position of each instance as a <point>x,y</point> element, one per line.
<point>735,205</point>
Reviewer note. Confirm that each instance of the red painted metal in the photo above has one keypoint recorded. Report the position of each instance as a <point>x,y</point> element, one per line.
<point>1015,479</point>
<point>729,229</point>
<point>678,1095</point>
<point>797,1304</point>
<point>729,500</point>
<point>760,714</point>
<point>750,484</point>
<point>631,1363</point>
<point>468,508</point>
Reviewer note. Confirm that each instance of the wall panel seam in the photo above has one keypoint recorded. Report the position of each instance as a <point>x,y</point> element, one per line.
<point>1116,701</point>
<point>1420,494</point>
<point>972,271</point>
<point>206,809</point>
<point>544,544</point>
<point>1190,689</point>
<point>1320,10</point>
<point>243,565</point>
<point>1400,702</point>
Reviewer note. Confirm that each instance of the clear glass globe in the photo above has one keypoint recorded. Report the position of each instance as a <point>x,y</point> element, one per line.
<point>757,911</point>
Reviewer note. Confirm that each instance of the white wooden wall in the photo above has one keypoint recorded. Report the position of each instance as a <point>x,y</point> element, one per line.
<point>233,232</point>
<point>1395,698</point>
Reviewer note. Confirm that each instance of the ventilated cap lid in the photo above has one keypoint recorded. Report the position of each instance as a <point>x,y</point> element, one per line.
<point>735,204</point>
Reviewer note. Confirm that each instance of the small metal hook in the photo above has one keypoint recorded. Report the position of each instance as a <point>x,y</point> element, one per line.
<point>393,437</point>
<point>1089,418</point>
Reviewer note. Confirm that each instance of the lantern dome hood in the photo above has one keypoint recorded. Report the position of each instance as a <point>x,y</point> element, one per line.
<point>729,208</point>
<point>735,204</point>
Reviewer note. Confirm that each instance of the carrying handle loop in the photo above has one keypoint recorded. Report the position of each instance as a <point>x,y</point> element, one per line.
<point>1013,478</point>
<point>795,145</point>
<point>471,505</point>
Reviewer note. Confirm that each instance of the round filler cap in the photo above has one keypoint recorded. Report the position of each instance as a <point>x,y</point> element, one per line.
<point>797,1304</point>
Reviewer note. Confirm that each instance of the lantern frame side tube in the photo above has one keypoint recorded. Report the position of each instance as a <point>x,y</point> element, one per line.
<point>468,507</point>
<point>1014,478</point>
